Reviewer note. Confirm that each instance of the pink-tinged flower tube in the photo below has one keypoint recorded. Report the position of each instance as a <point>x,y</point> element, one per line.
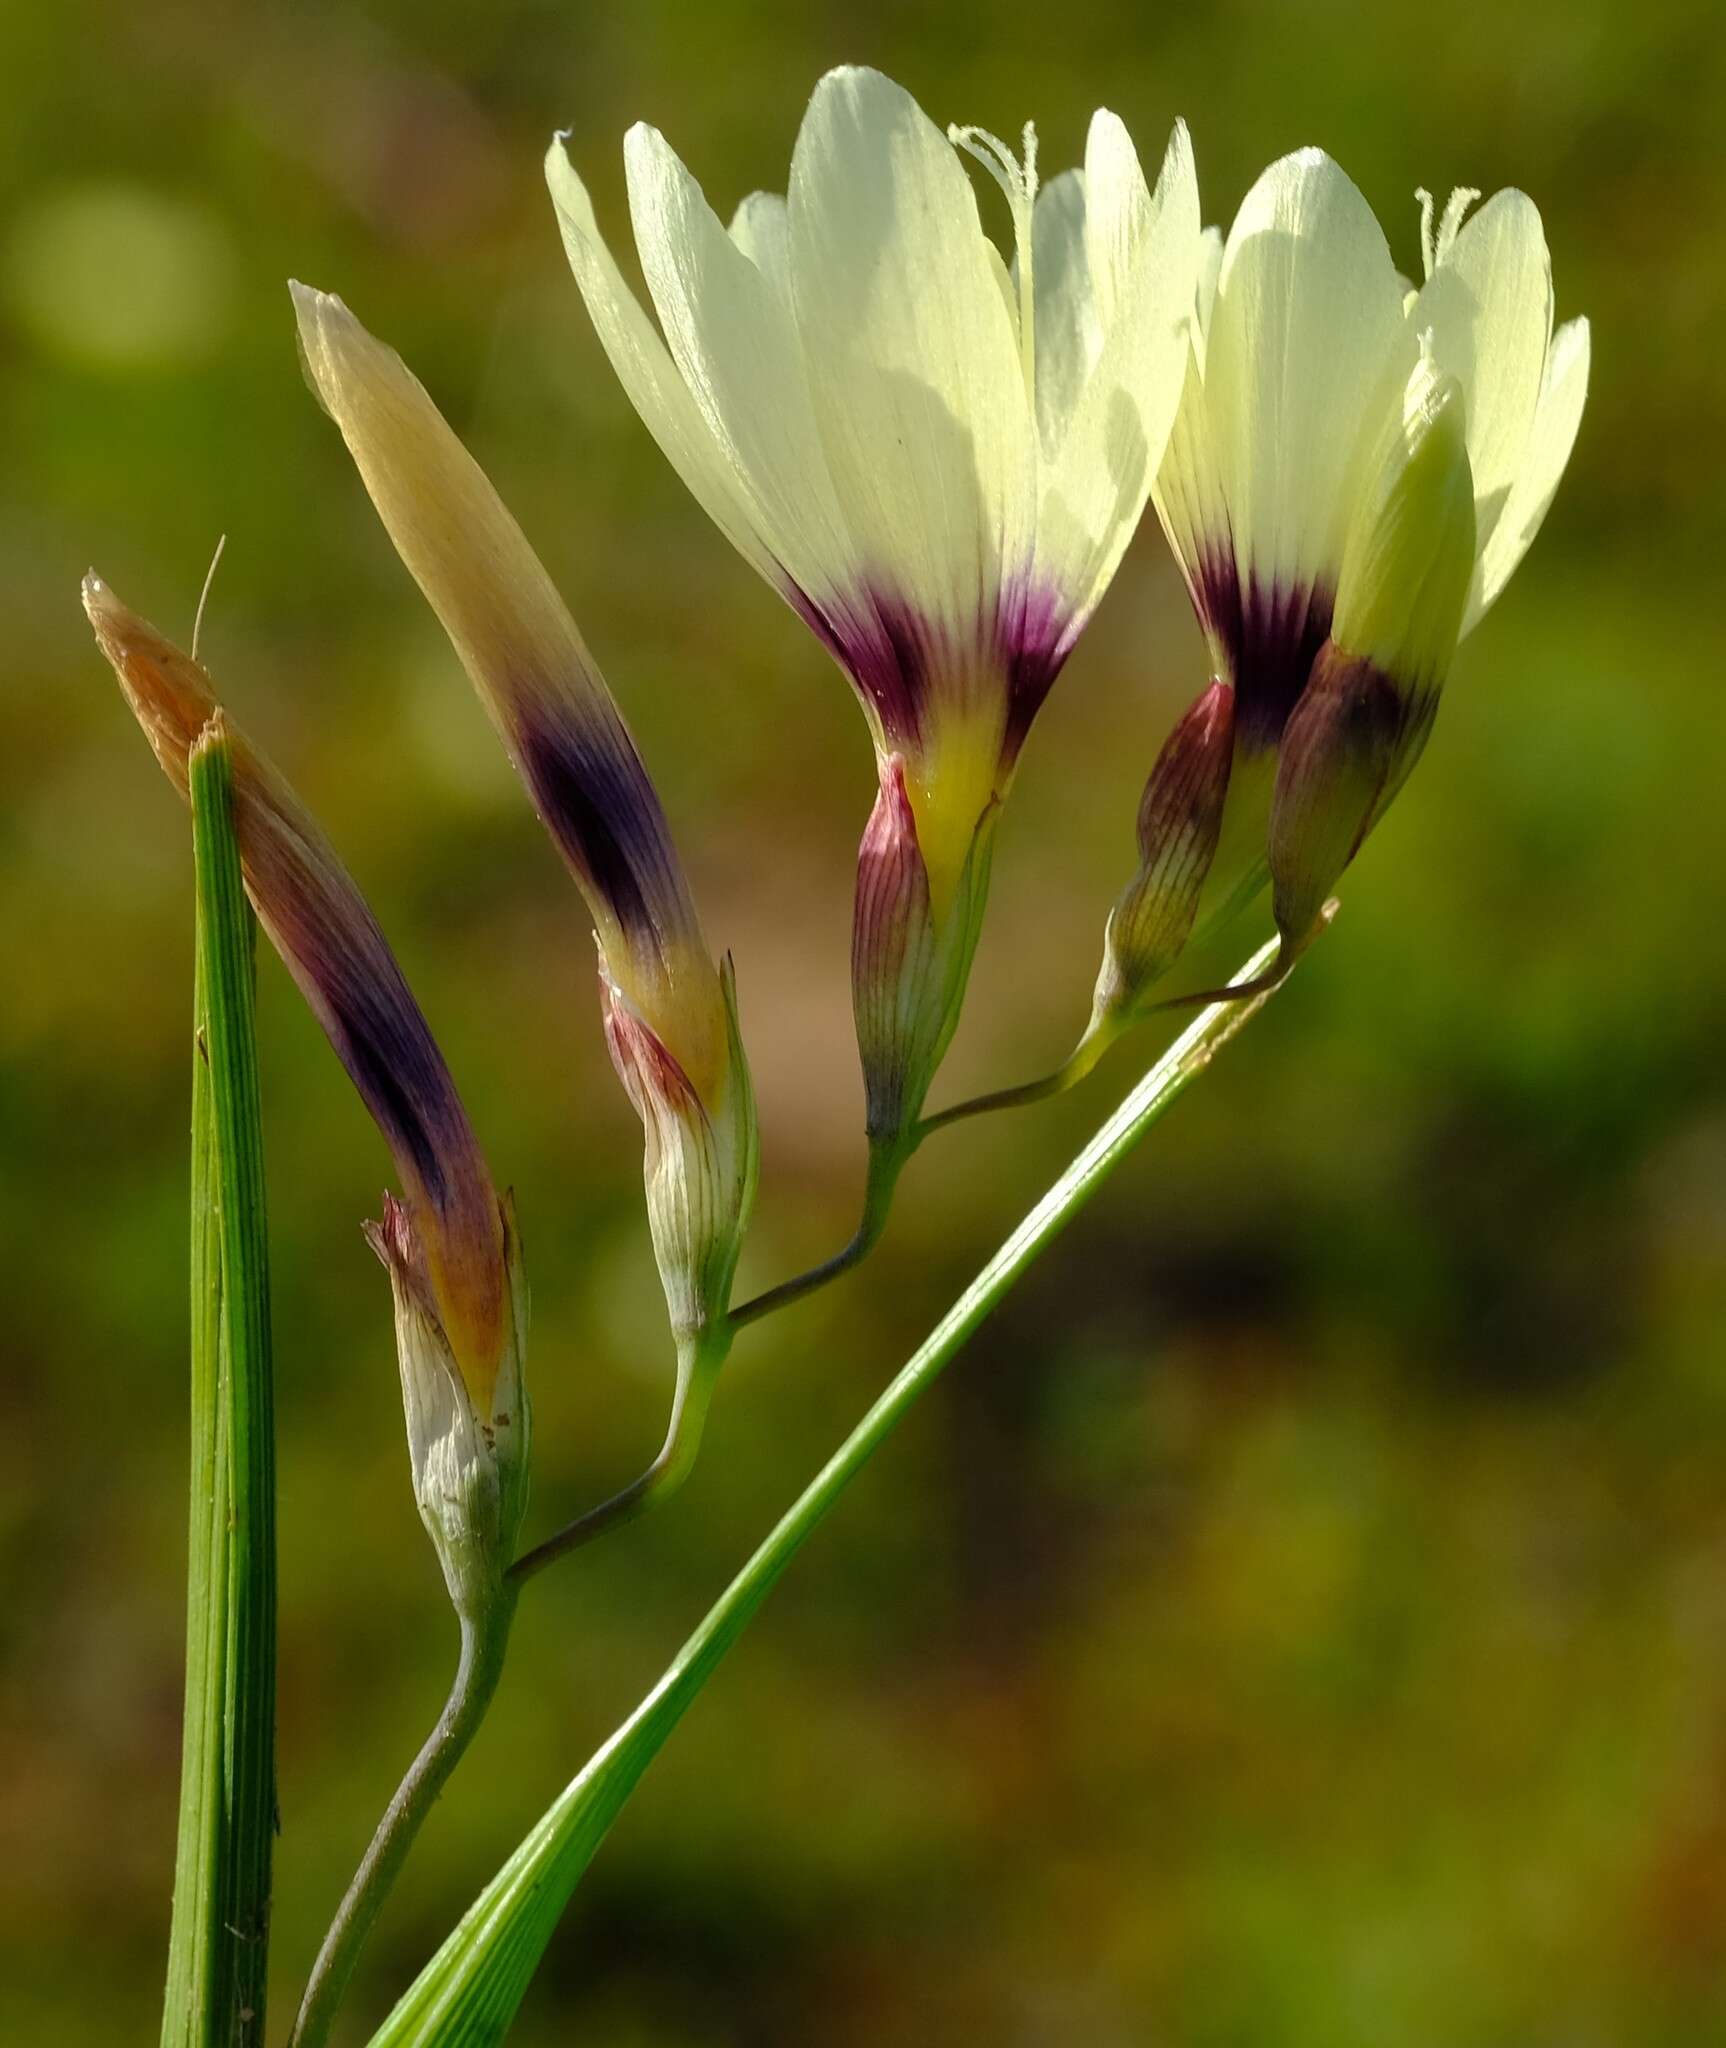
<point>450,1243</point>
<point>670,1012</point>
<point>936,457</point>
<point>1325,399</point>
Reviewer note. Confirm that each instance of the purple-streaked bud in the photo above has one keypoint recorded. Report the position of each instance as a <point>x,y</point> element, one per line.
<point>910,958</point>
<point>470,1466</point>
<point>450,1243</point>
<point>699,1166</point>
<point>1338,749</point>
<point>1180,820</point>
<point>1366,711</point>
<point>567,739</point>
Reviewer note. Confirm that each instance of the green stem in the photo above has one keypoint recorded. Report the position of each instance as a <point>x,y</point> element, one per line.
<point>887,1160</point>
<point>470,1990</point>
<point>484,1642</point>
<point>699,1360</point>
<point>1100,1034</point>
<point>219,1943</point>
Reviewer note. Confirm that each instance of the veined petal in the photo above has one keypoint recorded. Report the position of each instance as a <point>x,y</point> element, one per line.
<point>1557,416</point>
<point>1188,491</point>
<point>1069,333</point>
<point>912,360</point>
<point>1488,307</point>
<point>731,336</point>
<point>1142,256</point>
<point>330,943</point>
<point>649,376</point>
<point>533,672</point>
<point>1307,317</point>
<point>1205,299</point>
<point>762,230</point>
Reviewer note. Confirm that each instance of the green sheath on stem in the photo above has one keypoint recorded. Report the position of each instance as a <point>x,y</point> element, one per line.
<point>467,1995</point>
<point>218,1944</point>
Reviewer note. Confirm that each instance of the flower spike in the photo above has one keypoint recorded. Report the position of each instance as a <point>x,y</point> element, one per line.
<point>669,1011</point>
<point>450,1245</point>
<point>936,460</point>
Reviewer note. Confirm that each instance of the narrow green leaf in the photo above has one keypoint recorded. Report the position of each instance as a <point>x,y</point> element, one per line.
<point>189,2007</point>
<point>468,1994</point>
<point>218,1945</point>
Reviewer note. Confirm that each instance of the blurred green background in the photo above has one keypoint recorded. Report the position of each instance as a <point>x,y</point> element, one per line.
<point>1301,1617</point>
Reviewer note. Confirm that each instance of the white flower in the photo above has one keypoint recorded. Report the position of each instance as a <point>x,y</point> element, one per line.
<point>935,458</point>
<point>1303,351</point>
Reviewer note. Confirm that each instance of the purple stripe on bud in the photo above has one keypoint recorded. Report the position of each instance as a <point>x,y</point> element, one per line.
<point>330,942</point>
<point>908,967</point>
<point>1270,634</point>
<point>1339,751</point>
<point>594,797</point>
<point>892,952</point>
<point>1180,821</point>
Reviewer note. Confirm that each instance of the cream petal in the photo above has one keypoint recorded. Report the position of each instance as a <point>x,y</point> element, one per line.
<point>1205,299</point>
<point>1142,256</point>
<point>1304,360</point>
<point>731,336</point>
<point>912,359</point>
<point>1488,306</point>
<point>1564,389</point>
<point>1069,334</point>
<point>760,229</point>
<point>649,376</point>
<point>1188,491</point>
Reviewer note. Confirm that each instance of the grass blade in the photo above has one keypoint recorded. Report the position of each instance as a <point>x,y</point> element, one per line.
<point>218,1942</point>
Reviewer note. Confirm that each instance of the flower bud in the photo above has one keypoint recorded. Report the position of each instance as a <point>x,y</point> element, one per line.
<point>450,1244</point>
<point>1335,761</point>
<point>469,1464</point>
<point>700,1160</point>
<point>909,958</point>
<point>664,998</point>
<point>1368,706</point>
<point>1180,820</point>
<point>1410,553</point>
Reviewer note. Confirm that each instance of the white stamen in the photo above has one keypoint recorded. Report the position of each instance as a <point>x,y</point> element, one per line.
<point>1018,180</point>
<point>1455,213</point>
<point>1428,254</point>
